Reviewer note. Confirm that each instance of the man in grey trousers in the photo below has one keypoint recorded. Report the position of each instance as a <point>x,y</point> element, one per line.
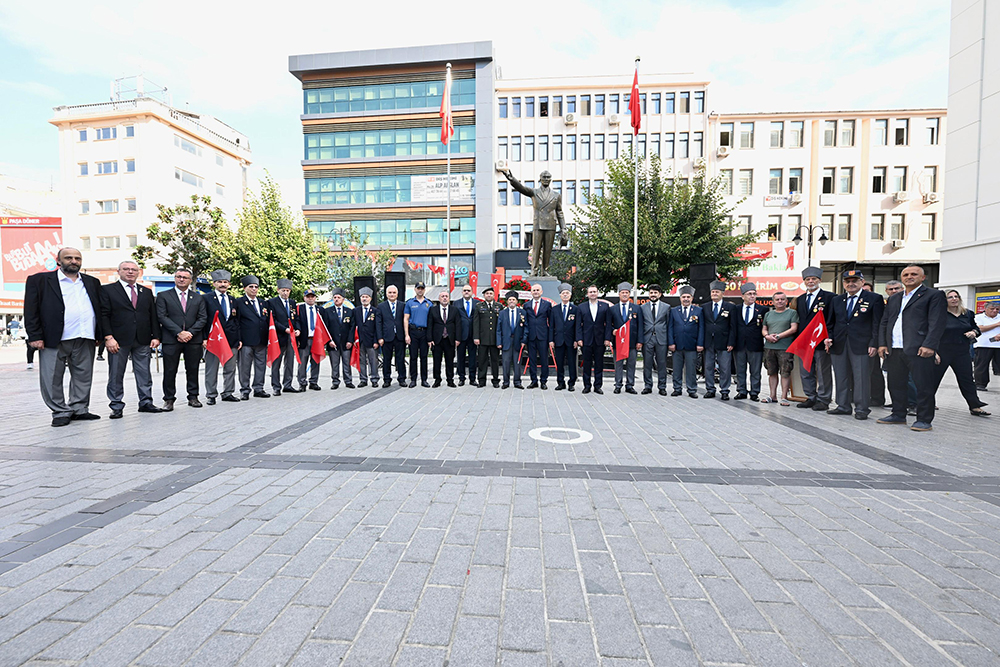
<point>655,319</point>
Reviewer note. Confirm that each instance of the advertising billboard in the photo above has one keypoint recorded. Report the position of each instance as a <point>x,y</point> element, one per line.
<point>27,246</point>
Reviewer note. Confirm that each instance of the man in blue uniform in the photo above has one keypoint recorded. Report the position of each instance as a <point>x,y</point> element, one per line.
<point>307,316</point>
<point>720,339</point>
<point>563,345</point>
<point>219,301</point>
<point>342,331</point>
<point>415,325</point>
<point>686,338</point>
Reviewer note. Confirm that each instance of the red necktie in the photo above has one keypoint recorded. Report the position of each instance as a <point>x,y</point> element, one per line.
<point>536,307</point>
<point>135,299</point>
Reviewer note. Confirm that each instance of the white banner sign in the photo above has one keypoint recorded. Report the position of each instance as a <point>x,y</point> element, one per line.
<point>777,200</point>
<point>428,188</point>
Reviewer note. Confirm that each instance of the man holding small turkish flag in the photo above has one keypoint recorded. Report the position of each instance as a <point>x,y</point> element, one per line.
<point>813,336</point>
<point>217,343</point>
<point>273,347</point>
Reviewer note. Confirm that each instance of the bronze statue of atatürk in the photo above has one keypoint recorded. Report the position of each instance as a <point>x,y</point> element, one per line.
<point>548,219</point>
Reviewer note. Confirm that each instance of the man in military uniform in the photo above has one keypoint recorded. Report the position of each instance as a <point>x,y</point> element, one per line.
<point>686,338</point>
<point>484,335</point>
<point>283,309</point>
<point>749,343</point>
<point>220,302</point>
<point>817,382</point>
<point>342,334</point>
<point>622,312</point>
<point>253,315</point>
<point>564,345</point>
<point>720,339</point>
<point>364,324</point>
<point>548,214</point>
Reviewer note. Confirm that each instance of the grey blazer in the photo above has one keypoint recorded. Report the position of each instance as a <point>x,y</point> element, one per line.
<point>655,332</point>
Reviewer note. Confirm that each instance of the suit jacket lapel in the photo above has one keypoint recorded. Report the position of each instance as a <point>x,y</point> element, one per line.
<point>54,284</point>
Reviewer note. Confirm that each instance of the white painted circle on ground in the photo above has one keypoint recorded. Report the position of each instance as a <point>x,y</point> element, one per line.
<point>579,436</point>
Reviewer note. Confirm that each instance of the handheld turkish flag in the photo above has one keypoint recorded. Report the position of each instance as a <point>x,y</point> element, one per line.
<point>622,335</point>
<point>805,343</point>
<point>356,353</point>
<point>295,341</point>
<point>320,339</point>
<point>447,127</point>
<point>273,348</point>
<point>451,281</point>
<point>474,282</point>
<point>634,107</point>
<point>217,343</point>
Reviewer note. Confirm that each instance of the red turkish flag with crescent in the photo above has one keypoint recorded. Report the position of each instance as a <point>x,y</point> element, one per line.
<point>474,282</point>
<point>295,341</point>
<point>634,107</point>
<point>622,335</point>
<point>273,348</point>
<point>447,125</point>
<point>356,352</point>
<point>320,339</point>
<point>217,343</point>
<point>812,336</point>
<point>451,281</point>
<point>497,280</point>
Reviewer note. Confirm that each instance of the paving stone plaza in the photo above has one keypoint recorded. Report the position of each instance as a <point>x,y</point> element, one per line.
<point>468,527</point>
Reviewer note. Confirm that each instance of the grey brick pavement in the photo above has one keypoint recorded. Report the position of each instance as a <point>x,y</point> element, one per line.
<point>297,533</point>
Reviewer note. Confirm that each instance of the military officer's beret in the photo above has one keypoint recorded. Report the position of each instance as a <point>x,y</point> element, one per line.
<point>748,287</point>
<point>337,291</point>
<point>511,294</point>
<point>249,280</point>
<point>624,287</point>
<point>812,271</point>
<point>853,273</point>
<point>487,289</point>
<point>655,288</point>
<point>221,274</point>
<point>565,287</point>
<point>284,283</point>
<point>718,284</point>
<point>686,289</point>
<point>365,291</point>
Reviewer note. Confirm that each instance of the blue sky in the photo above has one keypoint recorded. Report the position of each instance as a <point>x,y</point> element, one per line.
<point>230,60</point>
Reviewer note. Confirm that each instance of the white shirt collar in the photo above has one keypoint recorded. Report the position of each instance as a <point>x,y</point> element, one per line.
<point>63,276</point>
<point>125,286</point>
<point>180,291</point>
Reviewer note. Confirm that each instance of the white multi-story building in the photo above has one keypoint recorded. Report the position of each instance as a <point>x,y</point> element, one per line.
<point>120,159</point>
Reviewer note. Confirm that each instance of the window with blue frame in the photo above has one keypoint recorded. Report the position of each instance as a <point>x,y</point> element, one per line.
<point>357,189</point>
<point>388,96</point>
<point>429,231</point>
<point>387,143</point>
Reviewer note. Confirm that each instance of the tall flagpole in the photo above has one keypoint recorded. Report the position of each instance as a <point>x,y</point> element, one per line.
<point>447,268</point>
<point>635,215</point>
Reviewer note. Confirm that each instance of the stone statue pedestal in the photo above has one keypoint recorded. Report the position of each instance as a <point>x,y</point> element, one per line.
<point>550,286</point>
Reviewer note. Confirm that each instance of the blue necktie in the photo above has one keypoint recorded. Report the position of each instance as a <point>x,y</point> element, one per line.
<point>468,309</point>
<point>312,320</point>
<point>850,305</point>
<point>716,315</point>
<point>225,307</point>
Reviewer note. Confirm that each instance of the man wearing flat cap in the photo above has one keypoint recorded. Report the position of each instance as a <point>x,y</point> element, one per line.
<point>655,320</point>
<point>749,347</point>
<point>564,345</point>
<point>853,344</point>
<point>817,382</point>
<point>484,335</point>
<point>283,309</point>
<point>219,301</point>
<point>364,324</point>
<point>622,312</point>
<point>253,315</point>
<point>309,316</point>
<point>720,339</point>
<point>341,323</point>
<point>685,339</point>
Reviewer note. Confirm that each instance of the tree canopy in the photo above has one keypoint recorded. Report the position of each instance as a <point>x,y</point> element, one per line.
<point>188,237</point>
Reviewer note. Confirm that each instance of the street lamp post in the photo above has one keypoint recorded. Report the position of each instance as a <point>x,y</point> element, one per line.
<point>809,233</point>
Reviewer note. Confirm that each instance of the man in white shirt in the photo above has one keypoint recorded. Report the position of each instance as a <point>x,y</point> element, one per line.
<point>61,316</point>
<point>988,344</point>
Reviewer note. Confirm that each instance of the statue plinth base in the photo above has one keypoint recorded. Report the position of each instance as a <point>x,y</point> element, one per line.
<point>550,286</point>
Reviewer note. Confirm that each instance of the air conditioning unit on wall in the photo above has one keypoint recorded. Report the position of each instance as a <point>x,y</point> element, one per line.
<point>613,119</point>
<point>723,151</point>
<point>898,243</point>
<point>901,196</point>
<point>570,119</point>
<point>931,197</point>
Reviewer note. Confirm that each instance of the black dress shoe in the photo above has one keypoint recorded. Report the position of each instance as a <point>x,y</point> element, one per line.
<point>505,385</point>
<point>838,411</point>
<point>461,382</point>
<point>60,421</point>
<point>571,388</point>
<point>194,403</point>
<point>647,390</point>
<point>425,383</point>
<point>709,394</point>
<point>261,394</point>
<point>755,398</point>
<point>560,386</point>
<point>277,392</point>
<point>413,383</point>
<point>210,400</point>
<point>315,387</point>
<point>349,385</point>
<point>545,386</point>
<point>820,407</point>
<point>293,390</point>
<point>116,414</point>
<point>533,385</point>
<point>244,397</point>
<point>451,383</point>
<point>437,383</point>
<point>599,391</point>
<point>363,383</point>
<point>741,396</point>
<point>693,395</point>
<point>334,386</point>
<point>84,417</point>
<point>496,383</point>
<point>402,383</point>
<point>518,386</point>
<point>725,397</point>
<point>663,392</point>
<point>586,390</point>
<point>100,358</point>
<point>861,417</point>
<point>808,403</point>
<point>618,390</point>
<point>150,408</point>
<point>230,399</point>
<point>630,390</point>
<point>676,392</point>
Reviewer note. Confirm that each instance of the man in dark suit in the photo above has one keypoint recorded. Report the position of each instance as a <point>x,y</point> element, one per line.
<point>749,343</point>
<point>622,312</point>
<point>443,326</point>
<point>563,345</point>
<point>817,382</point>
<point>538,335</point>
<point>182,314</point>
<point>341,325</point>
<point>877,378</point>
<point>466,348</point>
<point>364,324</point>
<point>909,335</point>
<point>62,311</point>
<point>131,331</point>
<point>309,316</point>
<point>391,336</point>
<point>686,338</point>
<point>655,321</point>
<point>484,335</point>
<point>512,329</point>
<point>283,309</point>
<point>221,302</point>
<point>593,335</point>
<point>720,339</point>
<point>254,318</point>
<point>853,342</point>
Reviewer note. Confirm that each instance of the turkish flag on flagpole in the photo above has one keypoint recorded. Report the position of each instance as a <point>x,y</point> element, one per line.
<point>634,107</point>
<point>447,127</point>
<point>273,348</point>
<point>217,343</point>
<point>622,335</point>
<point>320,339</point>
<point>295,341</point>
<point>474,282</point>
<point>805,343</point>
<point>356,353</point>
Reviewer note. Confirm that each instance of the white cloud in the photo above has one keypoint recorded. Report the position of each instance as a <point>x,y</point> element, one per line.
<point>31,88</point>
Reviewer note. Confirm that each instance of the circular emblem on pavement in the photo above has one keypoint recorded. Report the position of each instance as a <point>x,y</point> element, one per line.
<point>577,438</point>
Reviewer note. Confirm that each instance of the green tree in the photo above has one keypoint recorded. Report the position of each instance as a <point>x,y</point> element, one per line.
<point>680,223</point>
<point>567,266</point>
<point>271,242</point>
<point>187,236</point>
<point>351,259</point>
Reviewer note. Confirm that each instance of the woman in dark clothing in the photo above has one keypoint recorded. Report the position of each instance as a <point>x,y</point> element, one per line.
<point>960,332</point>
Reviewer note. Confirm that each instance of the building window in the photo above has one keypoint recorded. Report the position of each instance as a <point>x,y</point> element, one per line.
<point>571,147</point>
<point>84,168</point>
<point>543,107</point>
<point>829,133</point>
<point>777,134</point>
<point>699,102</point>
<point>85,242</point>
<point>933,131</point>
<point>774,182</point>
<point>928,223</point>
<point>598,146</point>
<point>129,131</point>
<point>84,208</point>
<point>613,147</point>
<point>502,237</point>
<point>515,149</point>
<point>846,180</point>
<point>699,144</point>
<point>187,146</point>
<point>626,143</point>
<point>108,242</point>
<point>746,135</point>
<point>599,188</point>
<point>219,159</point>
<point>81,135</point>
<point>220,189</point>
<point>502,193</point>
<point>796,134</point>
<point>387,142</point>
<point>792,226</point>
<point>133,240</point>
<point>515,237</point>
<point>844,227</point>
<point>515,196</point>
<point>584,146</point>
<point>529,107</point>
<point>571,192</point>
<point>105,133</point>
<point>878,180</point>
<point>655,99</point>
<point>774,228</point>
<point>930,179</point>
<point>899,179</point>
<point>613,103</point>
<point>794,180</point>
<point>584,193</point>
<point>902,132</point>
<point>682,145</point>
<point>877,232</point>
<point>557,109</point>
<point>668,103</point>
<point>107,167</point>
<point>107,206</point>
<point>557,143</point>
<point>897,228</point>
<point>880,137</point>
<point>529,149</point>
<point>654,144</point>
<point>743,225</point>
<point>527,200</point>
<point>571,104</point>
<point>685,103</point>
<point>543,148</point>
<point>502,107</point>
<point>726,134</point>
<point>847,133</point>
<point>188,177</point>
<point>726,178</point>
<point>746,182</point>
<point>828,176</point>
<point>502,153</point>
<point>130,204</point>
<point>129,166</point>
<point>598,105</point>
<point>642,145</point>
<point>515,107</point>
<point>668,145</point>
<point>826,222</point>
